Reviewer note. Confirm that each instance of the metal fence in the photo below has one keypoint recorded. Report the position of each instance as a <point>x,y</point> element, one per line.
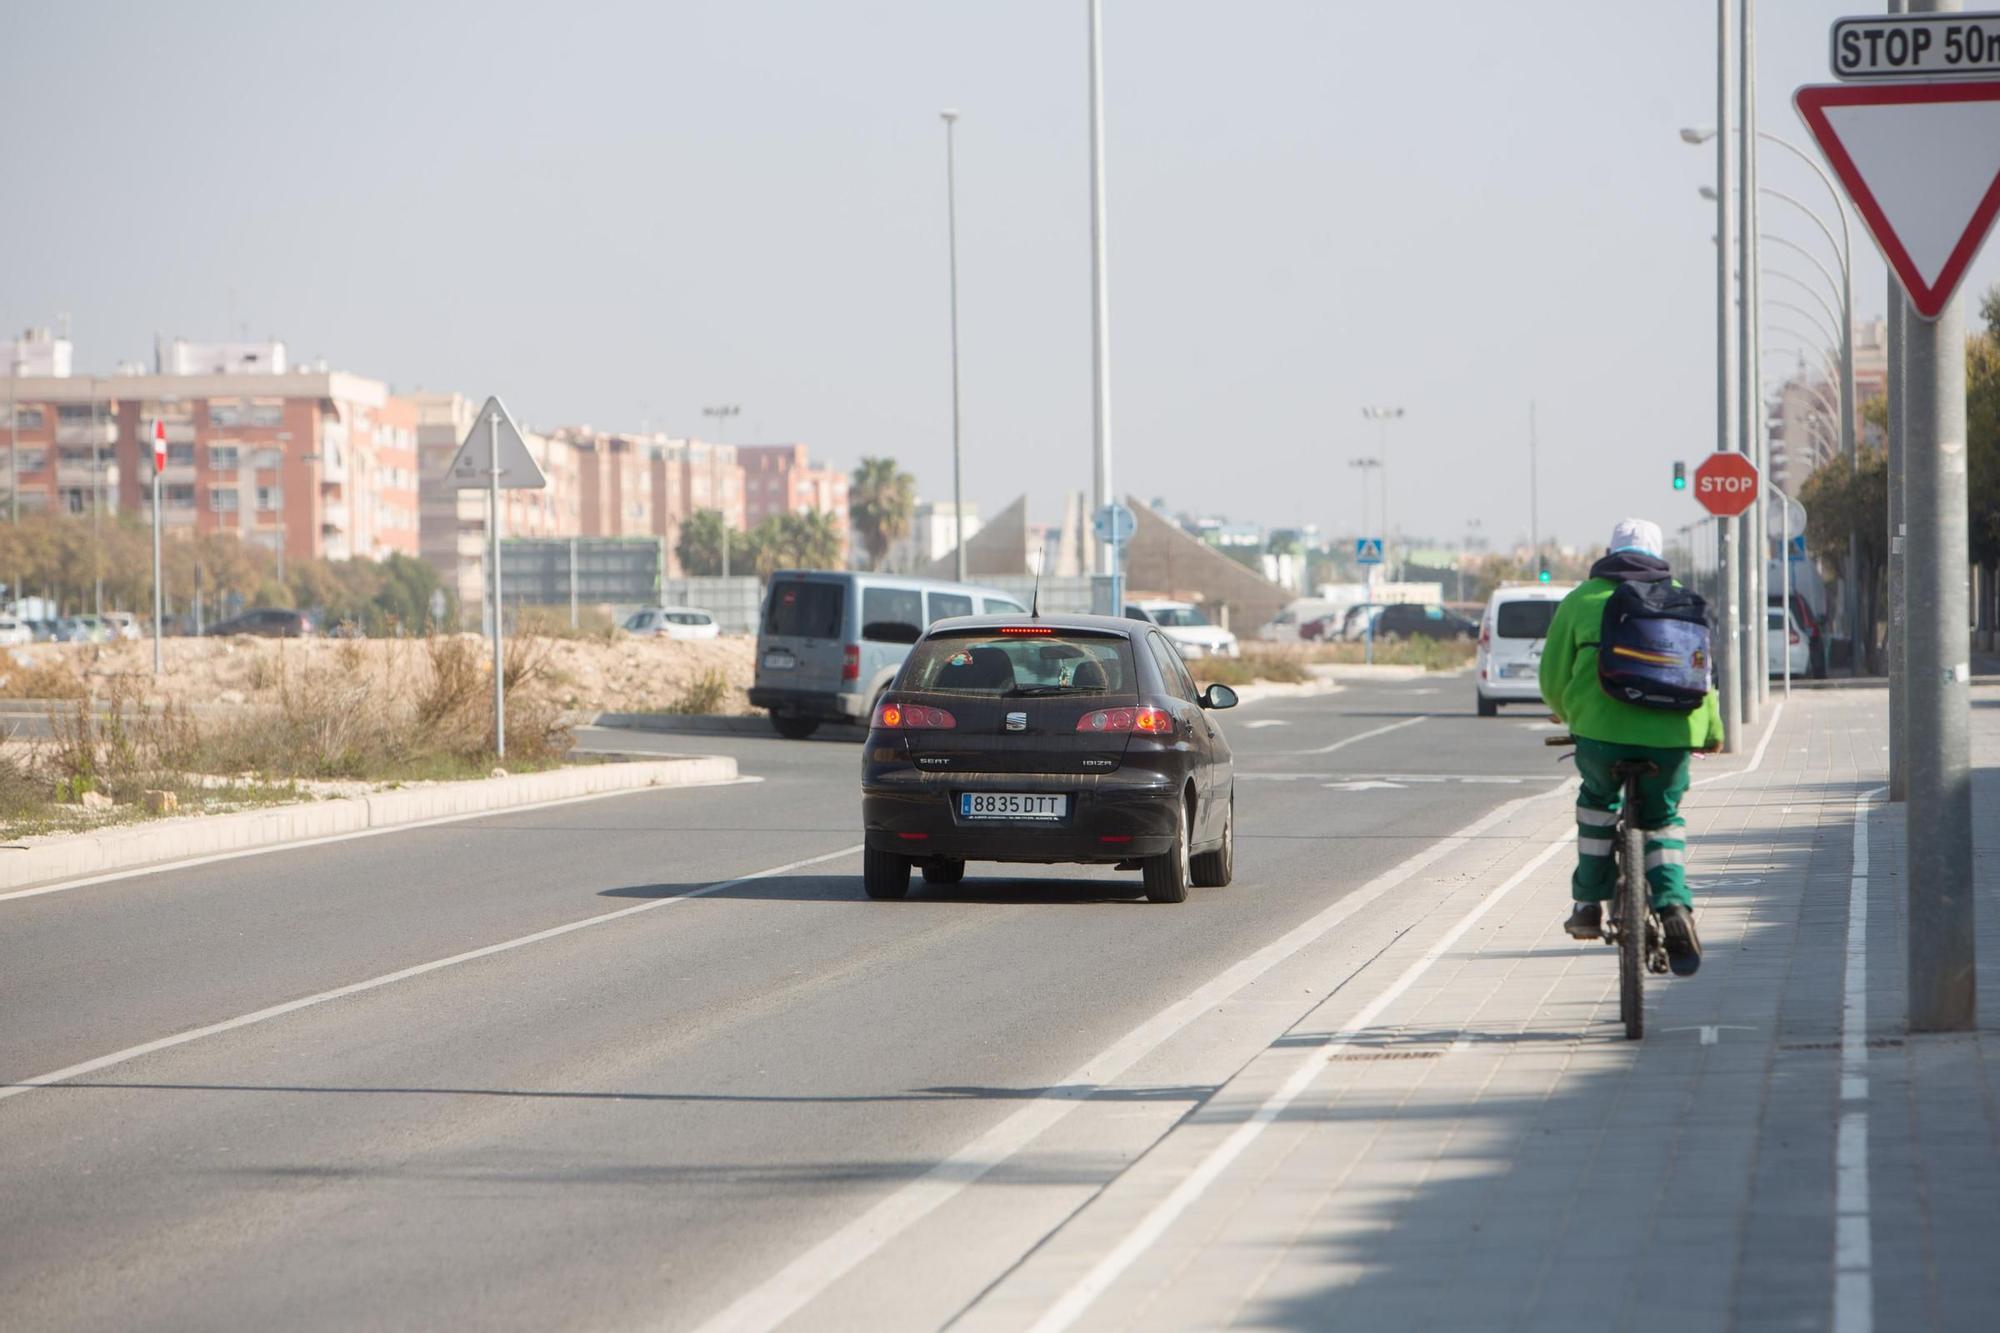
<point>587,571</point>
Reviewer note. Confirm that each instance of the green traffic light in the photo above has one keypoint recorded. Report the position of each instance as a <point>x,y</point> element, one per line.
<point>1680,483</point>
<point>1680,476</point>
<point>1545,576</point>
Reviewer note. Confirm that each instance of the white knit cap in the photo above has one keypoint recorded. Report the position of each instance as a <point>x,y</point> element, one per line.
<point>1636,534</point>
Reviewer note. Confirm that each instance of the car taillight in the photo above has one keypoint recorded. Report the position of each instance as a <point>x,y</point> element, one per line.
<point>850,662</point>
<point>1485,637</point>
<point>1795,636</point>
<point>895,716</point>
<point>1146,721</point>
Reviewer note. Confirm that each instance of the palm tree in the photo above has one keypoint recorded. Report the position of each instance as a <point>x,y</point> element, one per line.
<point>880,500</point>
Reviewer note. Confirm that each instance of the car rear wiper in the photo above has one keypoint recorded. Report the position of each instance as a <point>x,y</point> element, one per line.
<point>1042,691</point>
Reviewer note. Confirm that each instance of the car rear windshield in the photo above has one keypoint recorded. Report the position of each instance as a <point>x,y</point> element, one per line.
<point>1020,666</point>
<point>802,610</point>
<point>1524,620</point>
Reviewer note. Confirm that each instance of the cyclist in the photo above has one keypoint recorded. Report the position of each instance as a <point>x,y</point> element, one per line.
<point>1608,730</point>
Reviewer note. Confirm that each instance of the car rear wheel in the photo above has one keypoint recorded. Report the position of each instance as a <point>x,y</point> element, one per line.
<point>1214,870</point>
<point>793,727</point>
<point>944,872</point>
<point>1166,875</point>
<point>1488,707</point>
<point>885,875</point>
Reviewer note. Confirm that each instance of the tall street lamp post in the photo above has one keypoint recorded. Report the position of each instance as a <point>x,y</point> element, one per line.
<point>951,232</point>
<point>1382,416</point>
<point>721,412</point>
<point>1100,311</point>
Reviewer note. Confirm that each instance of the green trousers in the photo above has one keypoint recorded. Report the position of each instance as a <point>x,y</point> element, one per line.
<point>1597,802</point>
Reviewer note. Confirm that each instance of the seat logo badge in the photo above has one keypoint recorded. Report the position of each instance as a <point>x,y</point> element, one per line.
<point>1017,721</point>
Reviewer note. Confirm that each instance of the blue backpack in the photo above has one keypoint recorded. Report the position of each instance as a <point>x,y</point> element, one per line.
<point>1652,648</point>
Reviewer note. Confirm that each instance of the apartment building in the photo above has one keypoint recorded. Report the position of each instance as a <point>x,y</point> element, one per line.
<point>781,479</point>
<point>313,463</point>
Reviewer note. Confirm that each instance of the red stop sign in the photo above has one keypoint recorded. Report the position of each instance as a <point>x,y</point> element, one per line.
<point>1726,484</point>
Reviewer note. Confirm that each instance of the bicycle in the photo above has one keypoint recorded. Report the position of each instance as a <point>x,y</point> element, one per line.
<point>1639,952</point>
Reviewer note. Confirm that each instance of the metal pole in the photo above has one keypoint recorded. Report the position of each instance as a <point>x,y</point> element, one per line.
<point>1534,499</point>
<point>159,598</point>
<point>1100,309</point>
<point>1785,581</point>
<point>96,502</point>
<point>1941,959</point>
<point>13,445</point>
<point>951,230</point>
<point>1939,872</point>
<point>1899,576</point>
<point>1757,687</point>
<point>493,558</point>
<point>1730,672</point>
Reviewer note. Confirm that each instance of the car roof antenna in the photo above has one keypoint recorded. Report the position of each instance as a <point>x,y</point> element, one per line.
<point>1041,559</point>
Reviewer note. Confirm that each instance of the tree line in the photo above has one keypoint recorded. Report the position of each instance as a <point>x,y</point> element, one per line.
<point>64,557</point>
<point>1846,499</point>
<point>881,501</point>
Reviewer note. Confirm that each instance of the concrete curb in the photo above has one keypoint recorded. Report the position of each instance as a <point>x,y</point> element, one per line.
<point>687,724</point>
<point>1258,691</point>
<point>76,855</point>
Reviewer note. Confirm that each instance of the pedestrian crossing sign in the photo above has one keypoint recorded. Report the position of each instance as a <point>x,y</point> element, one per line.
<point>1367,550</point>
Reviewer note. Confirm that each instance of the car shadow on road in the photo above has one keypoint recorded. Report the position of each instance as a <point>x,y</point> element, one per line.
<point>999,890</point>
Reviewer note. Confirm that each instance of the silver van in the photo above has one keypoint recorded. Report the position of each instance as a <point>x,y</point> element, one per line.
<point>830,641</point>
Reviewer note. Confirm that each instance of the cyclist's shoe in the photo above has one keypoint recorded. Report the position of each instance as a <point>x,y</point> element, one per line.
<point>1683,945</point>
<point>1586,921</point>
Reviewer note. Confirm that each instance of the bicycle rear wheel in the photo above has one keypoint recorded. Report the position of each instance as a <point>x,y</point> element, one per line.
<point>1632,910</point>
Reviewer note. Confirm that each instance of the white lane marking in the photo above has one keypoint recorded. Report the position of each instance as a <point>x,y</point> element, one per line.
<point>1757,758</point>
<point>15,1089</point>
<point>1853,1239</point>
<point>1365,784</point>
<point>1093,1284</point>
<point>799,1282</point>
<point>1263,722</point>
<point>189,862</point>
<point>1364,736</point>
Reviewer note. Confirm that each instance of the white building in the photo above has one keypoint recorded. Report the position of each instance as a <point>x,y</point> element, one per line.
<point>36,352</point>
<point>181,357</point>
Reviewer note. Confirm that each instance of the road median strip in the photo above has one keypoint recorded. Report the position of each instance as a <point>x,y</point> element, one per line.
<point>106,851</point>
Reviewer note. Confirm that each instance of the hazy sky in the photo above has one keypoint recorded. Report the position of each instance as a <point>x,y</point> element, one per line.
<point>615,213</point>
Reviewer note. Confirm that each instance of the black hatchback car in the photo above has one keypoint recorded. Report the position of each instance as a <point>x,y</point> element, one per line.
<point>1051,739</point>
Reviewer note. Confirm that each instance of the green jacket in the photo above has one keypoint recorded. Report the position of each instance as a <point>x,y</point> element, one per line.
<point>1570,687</point>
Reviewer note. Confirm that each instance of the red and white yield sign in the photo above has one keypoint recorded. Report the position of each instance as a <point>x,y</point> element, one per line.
<point>159,446</point>
<point>1726,484</point>
<point>1921,161</point>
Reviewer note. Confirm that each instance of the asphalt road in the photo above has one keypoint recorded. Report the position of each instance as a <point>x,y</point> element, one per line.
<point>681,1114</point>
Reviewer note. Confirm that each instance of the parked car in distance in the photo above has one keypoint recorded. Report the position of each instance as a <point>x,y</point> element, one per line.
<point>123,625</point>
<point>45,630</point>
<point>82,629</point>
<point>1186,628</point>
<point>830,641</point>
<point>1422,620</point>
<point>1511,630</point>
<point>1054,740</point>
<point>672,622</point>
<point>15,631</point>
<point>1353,624</point>
<point>1783,636</point>
<point>269,622</point>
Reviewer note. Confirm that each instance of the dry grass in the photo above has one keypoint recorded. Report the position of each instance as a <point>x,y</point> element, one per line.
<point>1255,664</point>
<point>706,694</point>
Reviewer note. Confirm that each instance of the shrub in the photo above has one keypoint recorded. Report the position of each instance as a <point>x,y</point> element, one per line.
<point>704,695</point>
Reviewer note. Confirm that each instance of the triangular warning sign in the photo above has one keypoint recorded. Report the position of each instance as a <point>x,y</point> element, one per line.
<point>1921,162</point>
<point>494,434</point>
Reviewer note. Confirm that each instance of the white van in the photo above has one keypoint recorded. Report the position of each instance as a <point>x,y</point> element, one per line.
<point>1510,643</point>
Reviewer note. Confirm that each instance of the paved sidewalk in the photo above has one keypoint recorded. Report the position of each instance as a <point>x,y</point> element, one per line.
<point>1461,1138</point>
